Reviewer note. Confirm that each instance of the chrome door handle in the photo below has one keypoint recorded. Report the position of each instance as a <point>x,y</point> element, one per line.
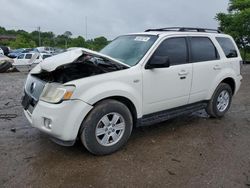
<point>217,67</point>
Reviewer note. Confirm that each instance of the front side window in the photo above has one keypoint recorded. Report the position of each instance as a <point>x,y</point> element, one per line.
<point>227,46</point>
<point>175,49</point>
<point>21,56</point>
<point>129,49</point>
<point>202,49</point>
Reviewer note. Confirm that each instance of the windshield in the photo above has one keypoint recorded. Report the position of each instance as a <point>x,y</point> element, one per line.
<point>129,49</point>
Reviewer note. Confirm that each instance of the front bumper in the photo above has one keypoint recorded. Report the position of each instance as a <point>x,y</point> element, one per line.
<point>65,118</point>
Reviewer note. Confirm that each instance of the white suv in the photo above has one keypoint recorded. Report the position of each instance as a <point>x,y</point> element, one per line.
<point>138,79</point>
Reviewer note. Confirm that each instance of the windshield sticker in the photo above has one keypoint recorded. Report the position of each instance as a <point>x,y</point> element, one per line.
<point>142,39</point>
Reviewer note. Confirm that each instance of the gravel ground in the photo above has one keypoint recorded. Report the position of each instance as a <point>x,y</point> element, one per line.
<point>191,151</point>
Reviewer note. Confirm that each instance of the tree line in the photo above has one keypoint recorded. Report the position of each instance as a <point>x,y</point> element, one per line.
<point>26,39</point>
<point>237,23</point>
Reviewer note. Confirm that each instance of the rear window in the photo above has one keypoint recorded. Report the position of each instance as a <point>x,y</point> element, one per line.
<point>202,49</point>
<point>227,46</point>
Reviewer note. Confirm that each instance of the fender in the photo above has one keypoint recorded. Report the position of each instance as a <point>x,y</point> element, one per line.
<point>110,89</point>
<point>226,73</point>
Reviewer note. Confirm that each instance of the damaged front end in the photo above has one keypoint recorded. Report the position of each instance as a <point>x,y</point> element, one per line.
<point>47,80</point>
<point>75,64</point>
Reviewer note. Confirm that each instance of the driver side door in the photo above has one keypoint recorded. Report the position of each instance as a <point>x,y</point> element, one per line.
<point>168,87</point>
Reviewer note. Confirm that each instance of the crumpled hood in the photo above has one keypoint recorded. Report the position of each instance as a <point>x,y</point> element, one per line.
<point>50,64</point>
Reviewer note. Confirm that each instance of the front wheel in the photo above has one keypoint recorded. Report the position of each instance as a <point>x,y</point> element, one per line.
<point>221,101</point>
<point>107,128</point>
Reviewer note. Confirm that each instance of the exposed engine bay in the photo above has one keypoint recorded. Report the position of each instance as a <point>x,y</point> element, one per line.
<point>85,66</point>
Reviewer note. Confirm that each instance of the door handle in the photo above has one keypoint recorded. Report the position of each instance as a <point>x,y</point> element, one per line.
<point>217,67</point>
<point>183,73</point>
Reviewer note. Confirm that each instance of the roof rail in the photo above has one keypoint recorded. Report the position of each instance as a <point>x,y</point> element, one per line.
<point>183,29</point>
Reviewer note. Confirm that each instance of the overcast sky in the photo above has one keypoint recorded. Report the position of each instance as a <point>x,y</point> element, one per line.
<point>108,18</point>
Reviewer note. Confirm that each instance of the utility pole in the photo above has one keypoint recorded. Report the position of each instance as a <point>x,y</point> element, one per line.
<point>86,28</point>
<point>39,35</point>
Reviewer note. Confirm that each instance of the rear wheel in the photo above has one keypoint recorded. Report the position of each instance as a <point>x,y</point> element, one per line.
<point>221,101</point>
<point>107,128</point>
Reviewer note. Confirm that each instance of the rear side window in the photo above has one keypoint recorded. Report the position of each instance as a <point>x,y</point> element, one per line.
<point>175,49</point>
<point>28,56</point>
<point>227,46</point>
<point>202,49</point>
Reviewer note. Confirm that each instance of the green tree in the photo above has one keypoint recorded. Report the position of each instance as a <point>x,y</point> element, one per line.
<point>27,40</point>
<point>68,34</point>
<point>237,23</point>
<point>98,43</point>
<point>77,42</point>
<point>22,42</point>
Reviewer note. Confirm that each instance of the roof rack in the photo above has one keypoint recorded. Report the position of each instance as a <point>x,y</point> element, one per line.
<point>183,29</point>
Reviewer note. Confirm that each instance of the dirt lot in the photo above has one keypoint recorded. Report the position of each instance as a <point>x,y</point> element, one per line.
<point>193,151</point>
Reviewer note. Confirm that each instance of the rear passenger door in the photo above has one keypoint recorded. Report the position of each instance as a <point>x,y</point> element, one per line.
<point>169,87</point>
<point>206,66</point>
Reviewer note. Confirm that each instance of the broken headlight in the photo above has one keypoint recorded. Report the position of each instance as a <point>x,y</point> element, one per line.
<point>55,93</point>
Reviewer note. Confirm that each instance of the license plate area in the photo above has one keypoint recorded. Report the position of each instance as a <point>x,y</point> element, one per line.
<point>28,103</point>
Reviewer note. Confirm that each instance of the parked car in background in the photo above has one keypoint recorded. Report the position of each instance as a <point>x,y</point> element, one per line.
<point>1,51</point>
<point>58,51</point>
<point>43,49</point>
<point>5,50</point>
<point>16,52</point>
<point>26,61</point>
<point>5,63</point>
<point>27,50</point>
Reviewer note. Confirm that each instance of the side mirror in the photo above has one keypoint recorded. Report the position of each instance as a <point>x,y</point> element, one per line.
<point>158,62</point>
<point>233,53</point>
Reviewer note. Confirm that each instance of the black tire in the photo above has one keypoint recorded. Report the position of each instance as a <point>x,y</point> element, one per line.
<point>105,108</point>
<point>5,66</point>
<point>212,108</point>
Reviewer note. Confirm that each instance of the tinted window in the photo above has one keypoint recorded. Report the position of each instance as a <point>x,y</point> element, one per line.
<point>21,56</point>
<point>46,56</point>
<point>28,56</point>
<point>202,49</point>
<point>227,46</point>
<point>175,49</point>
